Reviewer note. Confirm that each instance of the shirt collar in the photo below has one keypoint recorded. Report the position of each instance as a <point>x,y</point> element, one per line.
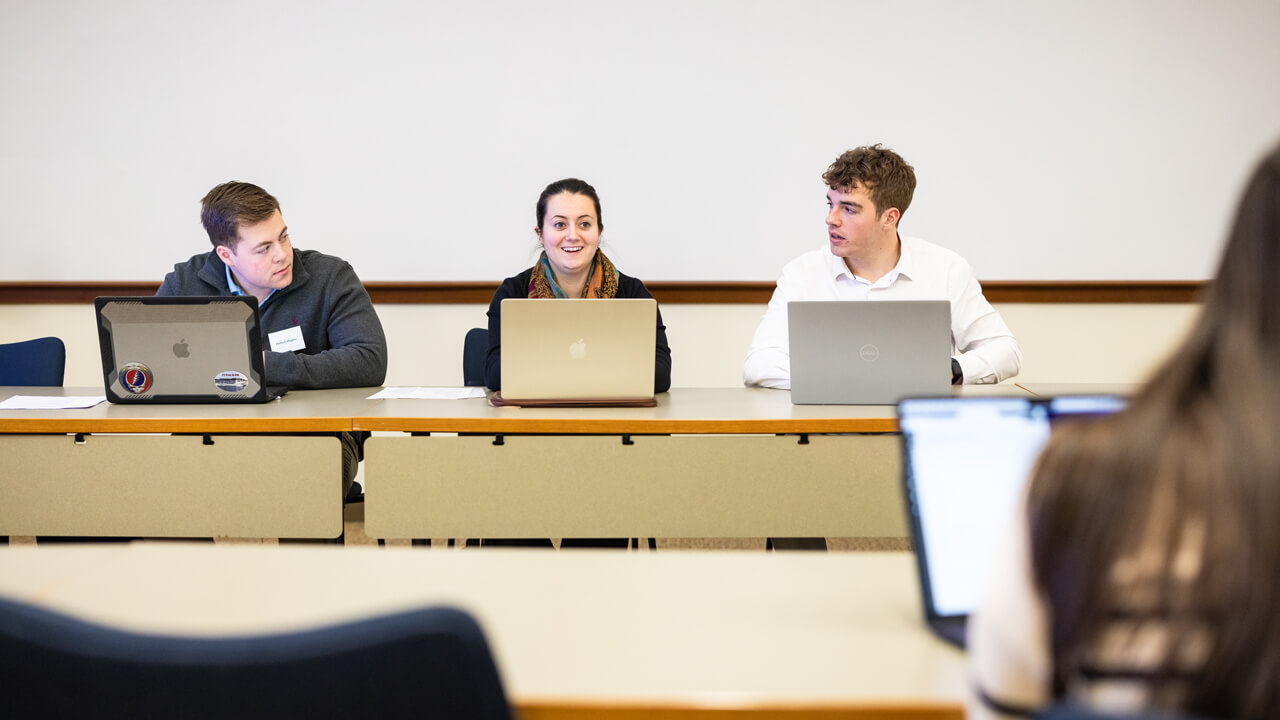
<point>906,266</point>
<point>235,289</point>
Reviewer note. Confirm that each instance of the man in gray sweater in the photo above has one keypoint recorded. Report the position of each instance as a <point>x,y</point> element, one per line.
<point>318,324</point>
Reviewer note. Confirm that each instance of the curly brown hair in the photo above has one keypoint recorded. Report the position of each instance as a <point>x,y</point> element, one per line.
<point>889,180</point>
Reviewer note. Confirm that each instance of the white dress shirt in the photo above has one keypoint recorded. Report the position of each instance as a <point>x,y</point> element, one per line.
<point>980,341</point>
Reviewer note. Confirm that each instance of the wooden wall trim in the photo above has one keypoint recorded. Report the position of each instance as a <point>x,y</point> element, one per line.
<point>918,710</point>
<point>670,292</point>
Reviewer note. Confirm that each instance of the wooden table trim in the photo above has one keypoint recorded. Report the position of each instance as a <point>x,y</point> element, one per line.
<point>569,710</point>
<point>627,426</point>
<point>173,425</point>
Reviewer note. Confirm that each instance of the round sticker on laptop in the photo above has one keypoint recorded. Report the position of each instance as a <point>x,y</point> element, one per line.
<point>231,381</point>
<point>136,378</point>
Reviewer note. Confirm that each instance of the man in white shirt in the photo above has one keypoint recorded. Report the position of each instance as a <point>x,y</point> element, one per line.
<point>869,189</point>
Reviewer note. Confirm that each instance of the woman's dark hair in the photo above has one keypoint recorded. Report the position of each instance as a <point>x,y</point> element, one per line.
<point>573,186</point>
<point>1181,491</point>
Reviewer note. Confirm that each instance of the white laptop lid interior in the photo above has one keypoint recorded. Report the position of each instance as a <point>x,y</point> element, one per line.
<point>965,462</point>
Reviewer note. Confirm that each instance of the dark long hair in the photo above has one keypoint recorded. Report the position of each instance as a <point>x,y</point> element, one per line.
<point>1192,464</point>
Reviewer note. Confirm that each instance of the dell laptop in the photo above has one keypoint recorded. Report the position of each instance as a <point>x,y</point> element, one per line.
<point>578,352</point>
<point>965,461</point>
<point>181,350</point>
<point>868,352</point>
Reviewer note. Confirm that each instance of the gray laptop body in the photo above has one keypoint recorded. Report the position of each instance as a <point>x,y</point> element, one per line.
<point>868,352</point>
<point>181,350</point>
<point>965,461</point>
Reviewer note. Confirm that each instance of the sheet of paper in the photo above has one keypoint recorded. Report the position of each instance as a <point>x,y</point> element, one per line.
<point>427,393</point>
<point>43,402</point>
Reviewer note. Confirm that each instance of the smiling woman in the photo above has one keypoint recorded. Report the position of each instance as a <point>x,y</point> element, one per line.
<point>569,224</point>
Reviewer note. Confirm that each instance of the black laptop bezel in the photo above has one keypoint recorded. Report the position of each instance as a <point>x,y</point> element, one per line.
<point>252,329</point>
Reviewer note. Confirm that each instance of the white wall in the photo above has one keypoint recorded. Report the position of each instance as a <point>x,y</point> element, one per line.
<point>1066,139</point>
<point>1060,343</point>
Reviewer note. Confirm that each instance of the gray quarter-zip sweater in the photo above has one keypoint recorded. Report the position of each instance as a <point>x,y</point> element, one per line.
<point>345,345</point>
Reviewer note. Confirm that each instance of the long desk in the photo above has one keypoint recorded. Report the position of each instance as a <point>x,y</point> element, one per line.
<point>725,462</point>
<point>1043,389</point>
<point>576,634</point>
<point>730,462</point>
<point>116,470</point>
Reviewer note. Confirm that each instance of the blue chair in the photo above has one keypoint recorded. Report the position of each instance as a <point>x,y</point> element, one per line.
<point>1066,711</point>
<point>475,349</point>
<point>33,362</point>
<point>426,663</point>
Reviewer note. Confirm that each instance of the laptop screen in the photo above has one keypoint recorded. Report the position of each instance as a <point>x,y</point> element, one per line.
<point>965,462</point>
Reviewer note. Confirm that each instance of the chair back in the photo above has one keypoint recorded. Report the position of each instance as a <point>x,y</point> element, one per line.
<point>33,362</point>
<point>431,662</point>
<point>1068,711</point>
<point>475,349</point>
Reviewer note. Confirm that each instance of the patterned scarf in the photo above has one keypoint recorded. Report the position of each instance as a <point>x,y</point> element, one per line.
<point>602,280</point>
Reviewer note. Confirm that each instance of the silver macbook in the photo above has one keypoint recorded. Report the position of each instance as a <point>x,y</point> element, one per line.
<point>868,352</point>
<point>181,349</point>
<point>965,460</point>
<point>578,350</point>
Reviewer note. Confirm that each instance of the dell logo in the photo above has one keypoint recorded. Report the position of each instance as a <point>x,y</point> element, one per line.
<point>869,353</point>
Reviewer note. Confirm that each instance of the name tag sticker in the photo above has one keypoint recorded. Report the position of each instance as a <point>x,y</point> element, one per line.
<point>289,340</point>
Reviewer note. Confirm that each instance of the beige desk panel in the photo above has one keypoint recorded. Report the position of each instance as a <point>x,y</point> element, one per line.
<point>171,486</point>
<point>599,632</point>
<point>594,486</point>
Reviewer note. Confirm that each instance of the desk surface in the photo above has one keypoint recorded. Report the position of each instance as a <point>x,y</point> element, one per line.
<point>682,410</point>
<point>298,411</point>
<point>1043,389</point>
<point>571,630</point>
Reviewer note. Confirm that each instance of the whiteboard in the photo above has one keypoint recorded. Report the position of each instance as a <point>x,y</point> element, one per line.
<point>1082,140</point>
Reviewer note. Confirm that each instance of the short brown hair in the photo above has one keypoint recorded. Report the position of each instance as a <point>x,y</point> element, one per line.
<point>889,180</point>
<point>230,204</point>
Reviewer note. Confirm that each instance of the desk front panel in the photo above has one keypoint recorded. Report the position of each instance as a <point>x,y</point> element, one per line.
<point>171,486</point>
<point>642,486</point>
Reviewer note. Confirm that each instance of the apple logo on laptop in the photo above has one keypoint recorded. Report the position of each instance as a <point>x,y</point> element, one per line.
<point>578,350</point>
<point>869,353</point>
<point>180,349</point>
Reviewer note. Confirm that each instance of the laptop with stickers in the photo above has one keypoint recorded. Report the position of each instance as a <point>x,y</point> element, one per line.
<point>965,461</point>
<point>578,352</point>
<point>868,352</point>
<point>182,350</point>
